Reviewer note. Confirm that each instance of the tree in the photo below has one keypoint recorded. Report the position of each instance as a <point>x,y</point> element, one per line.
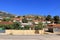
<point>9,26</point>
<point>18,16</point>
<point>12,16</point>
<point>56,19</point>
<point>24,20</point>
<point>36,17</point>
<point>2,26</point>
<point>24,16</point>
<point>27,27</point>
<point>39,26</point>
<point>6,19</point>
<point>48,18</point>
<point>17,25</point>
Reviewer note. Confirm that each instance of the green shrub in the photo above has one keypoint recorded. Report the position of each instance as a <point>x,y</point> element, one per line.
<point>39,26</point>
<point>26,27</point>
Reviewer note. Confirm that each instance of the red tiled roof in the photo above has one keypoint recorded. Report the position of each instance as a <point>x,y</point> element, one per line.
<point>53,25</point>
<point>16,19</point>
<point>38,20</point>
<point>4,22</point>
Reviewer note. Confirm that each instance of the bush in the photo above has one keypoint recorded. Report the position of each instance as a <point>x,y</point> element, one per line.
<point>17,25</point>
<point>6,19</point>
<point>26,27</point>
<point>24,20</point>
<point>39,26</point>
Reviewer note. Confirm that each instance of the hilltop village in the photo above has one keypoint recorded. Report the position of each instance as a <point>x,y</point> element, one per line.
<point>29,22</point>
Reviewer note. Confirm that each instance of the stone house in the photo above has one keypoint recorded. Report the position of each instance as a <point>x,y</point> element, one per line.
<point>55,28</point>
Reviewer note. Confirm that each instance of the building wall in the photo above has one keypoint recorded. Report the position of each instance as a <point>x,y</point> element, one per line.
<point>22,32</point>
<point>56,30</point>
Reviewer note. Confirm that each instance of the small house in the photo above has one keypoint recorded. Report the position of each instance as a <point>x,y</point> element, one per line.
<point>55,28</point>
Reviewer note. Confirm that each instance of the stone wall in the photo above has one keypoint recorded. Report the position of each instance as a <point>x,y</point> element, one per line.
<point>22,32</point>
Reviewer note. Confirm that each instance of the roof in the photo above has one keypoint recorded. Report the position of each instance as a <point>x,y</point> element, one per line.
<point>53,25</point>
<point>5,22</point>
<point>16,18</point>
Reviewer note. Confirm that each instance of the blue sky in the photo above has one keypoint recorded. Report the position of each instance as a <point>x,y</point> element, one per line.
<point>31,7</point>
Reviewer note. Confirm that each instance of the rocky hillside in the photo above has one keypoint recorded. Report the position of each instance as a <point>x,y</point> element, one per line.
<point>5,14</point>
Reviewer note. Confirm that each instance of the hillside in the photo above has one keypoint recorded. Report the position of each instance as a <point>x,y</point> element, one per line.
<point>5,14</point>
